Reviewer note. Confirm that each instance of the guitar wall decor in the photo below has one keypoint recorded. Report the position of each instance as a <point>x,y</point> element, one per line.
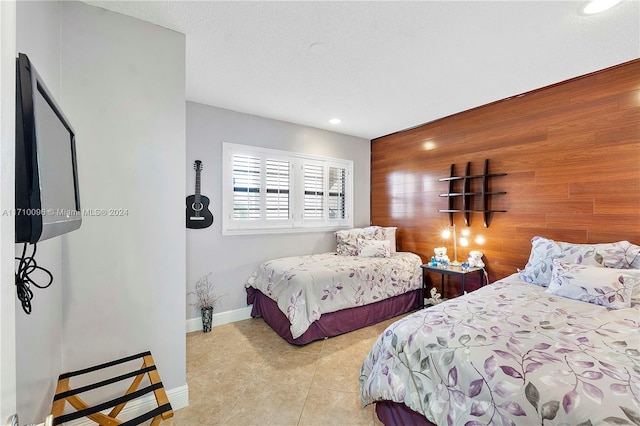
<point>198,214</point>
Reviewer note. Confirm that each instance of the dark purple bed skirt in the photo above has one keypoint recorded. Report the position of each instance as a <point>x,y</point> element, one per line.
<point>334,323</point>
<point>391,414</point>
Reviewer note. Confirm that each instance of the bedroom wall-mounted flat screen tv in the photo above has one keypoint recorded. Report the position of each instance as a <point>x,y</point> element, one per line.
<point>47,194</point>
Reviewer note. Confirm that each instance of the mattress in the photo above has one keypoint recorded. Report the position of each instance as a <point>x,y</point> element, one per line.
<point>510,353</point>
<point>307,287</point>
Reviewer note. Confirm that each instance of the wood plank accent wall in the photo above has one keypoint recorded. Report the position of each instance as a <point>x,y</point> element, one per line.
<point>571,152</point>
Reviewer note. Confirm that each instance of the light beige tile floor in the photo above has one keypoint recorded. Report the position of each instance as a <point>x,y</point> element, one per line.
<point>245,374</point>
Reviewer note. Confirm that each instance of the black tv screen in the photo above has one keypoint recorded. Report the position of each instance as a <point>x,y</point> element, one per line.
<point>47,193</point>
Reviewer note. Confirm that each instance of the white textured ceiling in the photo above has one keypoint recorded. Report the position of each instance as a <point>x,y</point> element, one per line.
<point>384,66</point>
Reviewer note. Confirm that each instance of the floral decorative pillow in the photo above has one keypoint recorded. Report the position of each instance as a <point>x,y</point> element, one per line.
<point>539,268</point>
<point>347,240</point>
<point>633,259</point>
<point>607,287</point>
<point>373,248</point>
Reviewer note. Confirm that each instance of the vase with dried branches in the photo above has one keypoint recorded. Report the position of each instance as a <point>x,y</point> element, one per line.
<point>205,300</point>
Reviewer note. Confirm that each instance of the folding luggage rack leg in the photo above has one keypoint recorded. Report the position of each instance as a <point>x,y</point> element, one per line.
<point>64,393</point>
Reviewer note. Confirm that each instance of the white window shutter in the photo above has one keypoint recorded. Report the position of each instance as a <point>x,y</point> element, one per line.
<point>246,188</point>
<point>313,181</point>
<point>337,193</point>
<point>277,184</point>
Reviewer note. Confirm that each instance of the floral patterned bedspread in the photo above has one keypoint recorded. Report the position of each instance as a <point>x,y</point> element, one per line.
<point>510,354</point>
<point>305,287</point>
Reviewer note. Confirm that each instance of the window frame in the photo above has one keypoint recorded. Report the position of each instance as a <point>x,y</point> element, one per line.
<point>296,222</point>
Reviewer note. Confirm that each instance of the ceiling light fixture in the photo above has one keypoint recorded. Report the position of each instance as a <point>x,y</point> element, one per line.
<point>335,121</point>
<point>597,6</point>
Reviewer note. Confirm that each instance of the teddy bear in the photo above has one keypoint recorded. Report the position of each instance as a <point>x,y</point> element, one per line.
<point>475,259</point>
<point>441,254</point>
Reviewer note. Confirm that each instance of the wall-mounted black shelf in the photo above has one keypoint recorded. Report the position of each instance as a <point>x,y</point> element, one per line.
<point>465,194</point>
<point>471,176</point>
<point>460,194</point>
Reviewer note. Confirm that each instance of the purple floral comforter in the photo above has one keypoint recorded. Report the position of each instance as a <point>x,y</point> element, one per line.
<point>305,287</point>
<point>510,354</point>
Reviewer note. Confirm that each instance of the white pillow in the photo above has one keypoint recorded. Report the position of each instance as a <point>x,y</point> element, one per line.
<point>382,233</point>
<point>389,233</point>
<point>607,287</point>
<point>373,248</point>
<point>635,294</point>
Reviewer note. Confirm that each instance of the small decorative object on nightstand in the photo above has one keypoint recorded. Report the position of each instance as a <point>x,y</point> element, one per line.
<point>456,271</point>
<point>441,257</point>
<point>475,259</point>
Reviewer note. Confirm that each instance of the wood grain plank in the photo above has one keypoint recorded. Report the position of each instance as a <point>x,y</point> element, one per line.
<point>579,236</point>
<point>572,157</point>
<point>629,100</point>
<point>612,204</point>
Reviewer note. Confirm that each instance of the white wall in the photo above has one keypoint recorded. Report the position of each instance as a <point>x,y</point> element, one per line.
<point>7,203</point>
<point>119,282</point>
<point>231,259</point>
<point>123,88</point>
<point>40,333</point>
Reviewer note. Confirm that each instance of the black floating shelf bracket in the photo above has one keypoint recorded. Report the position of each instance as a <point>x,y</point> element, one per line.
<point>466,195</point>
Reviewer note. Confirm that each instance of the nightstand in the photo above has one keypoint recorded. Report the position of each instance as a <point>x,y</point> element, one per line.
<point>450,270</point>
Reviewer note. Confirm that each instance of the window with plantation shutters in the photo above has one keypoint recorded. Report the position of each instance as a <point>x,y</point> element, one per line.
<point>266,190</point>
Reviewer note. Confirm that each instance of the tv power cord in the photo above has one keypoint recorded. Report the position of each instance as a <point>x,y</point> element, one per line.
<point>26,266</point>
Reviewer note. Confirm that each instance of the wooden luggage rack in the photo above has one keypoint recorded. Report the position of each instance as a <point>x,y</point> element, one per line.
<point>64,393</point>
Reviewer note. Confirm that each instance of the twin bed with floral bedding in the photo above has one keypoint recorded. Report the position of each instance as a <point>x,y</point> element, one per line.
<point>306,298</point>
<point>556,343</point>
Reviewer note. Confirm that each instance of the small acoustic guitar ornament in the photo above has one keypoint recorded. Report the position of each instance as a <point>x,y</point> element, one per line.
<point>198,214</point>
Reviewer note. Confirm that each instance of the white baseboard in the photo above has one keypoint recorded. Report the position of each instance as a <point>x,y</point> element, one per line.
<point>195,324</point>
<point>178,397</point>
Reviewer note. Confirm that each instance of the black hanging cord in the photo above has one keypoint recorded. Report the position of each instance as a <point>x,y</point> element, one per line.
<point>27,265</point>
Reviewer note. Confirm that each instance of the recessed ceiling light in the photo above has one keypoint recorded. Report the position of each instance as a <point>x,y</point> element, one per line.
<point>597,6</point>
<point>335,121</point>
